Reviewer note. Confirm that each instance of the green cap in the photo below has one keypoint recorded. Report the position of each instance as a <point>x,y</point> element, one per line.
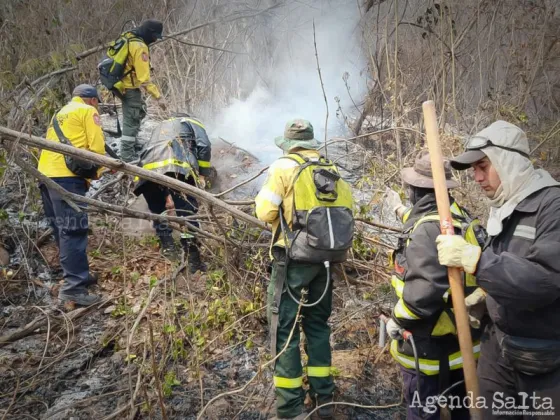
<point>297,133</point>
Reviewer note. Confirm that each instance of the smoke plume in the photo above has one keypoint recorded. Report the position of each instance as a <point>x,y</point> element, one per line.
<point>288,86</point>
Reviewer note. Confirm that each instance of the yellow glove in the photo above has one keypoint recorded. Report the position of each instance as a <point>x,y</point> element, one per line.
<point>476,306</point>
<point>454,251</point>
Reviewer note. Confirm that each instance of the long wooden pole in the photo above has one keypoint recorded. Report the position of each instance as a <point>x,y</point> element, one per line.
<point>455,277</point>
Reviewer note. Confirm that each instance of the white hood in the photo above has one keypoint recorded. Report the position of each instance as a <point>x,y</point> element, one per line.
<point>519,178</point>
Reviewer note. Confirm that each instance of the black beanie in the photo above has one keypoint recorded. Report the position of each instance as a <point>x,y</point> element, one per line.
<point>150,30</point>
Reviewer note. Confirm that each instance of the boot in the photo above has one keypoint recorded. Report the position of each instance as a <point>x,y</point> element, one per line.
<point>326,412</point>
<point>168,249</point>
<point>82,299</point>
<point>92,279</point>
<point>193,258</point>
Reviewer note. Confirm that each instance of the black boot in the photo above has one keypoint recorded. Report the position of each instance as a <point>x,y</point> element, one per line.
<point>326,412</point>
<point>92,279</point>
<point>193,257</point>
<point>168,249</point>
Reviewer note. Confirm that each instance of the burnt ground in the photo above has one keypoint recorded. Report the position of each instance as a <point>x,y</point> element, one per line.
<point>163,345</point>
<point>192,337</point>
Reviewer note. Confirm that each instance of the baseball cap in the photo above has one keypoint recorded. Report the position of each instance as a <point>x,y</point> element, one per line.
<point>86,91</point>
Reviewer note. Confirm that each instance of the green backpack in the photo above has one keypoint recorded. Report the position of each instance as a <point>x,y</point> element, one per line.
<point>111,67</point>
<point>323,219</point>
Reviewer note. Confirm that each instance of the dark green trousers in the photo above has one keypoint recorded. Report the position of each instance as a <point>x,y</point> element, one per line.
<point>134,111</point>
<point>288,372</point>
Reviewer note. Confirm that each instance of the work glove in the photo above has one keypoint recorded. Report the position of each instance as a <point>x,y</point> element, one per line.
<point>394,330</point>
<point>393,200</point>
<point>454,251</point>
<point>201,182</point>
<point>476,306</point>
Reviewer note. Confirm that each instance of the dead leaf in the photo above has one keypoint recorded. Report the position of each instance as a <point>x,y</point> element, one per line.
<point>109,309</point>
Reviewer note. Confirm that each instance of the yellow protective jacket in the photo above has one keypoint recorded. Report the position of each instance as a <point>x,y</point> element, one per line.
<point>81,124</point>
<point>278,189</point>
<point>137,68</point>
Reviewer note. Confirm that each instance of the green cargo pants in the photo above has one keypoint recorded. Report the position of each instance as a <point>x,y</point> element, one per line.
<point>134,111</point>
<point>288,372</point>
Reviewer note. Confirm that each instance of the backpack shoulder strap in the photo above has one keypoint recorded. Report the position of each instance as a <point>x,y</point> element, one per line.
<point>296,157</point>
<point>58,131</point>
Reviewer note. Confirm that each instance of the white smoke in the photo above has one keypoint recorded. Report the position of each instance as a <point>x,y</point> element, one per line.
<point>290,87</point>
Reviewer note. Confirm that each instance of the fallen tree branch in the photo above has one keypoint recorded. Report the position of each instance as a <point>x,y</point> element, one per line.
<point>376,242</point>
<point>107,185</point>
<point>99,48</point>
<point>221,20</point>
<point>16,136</point>
<point>373,133</point>
<point>40,323</point>
<point>239,148</point>
<point>241,183</point>
<point>44,237</point>
<point>379,225</point>
<point>209,47</point>
<point>106,206</point>
<point>35,82</point>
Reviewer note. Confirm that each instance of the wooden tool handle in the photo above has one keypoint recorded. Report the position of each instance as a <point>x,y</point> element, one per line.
<point>455,277</point>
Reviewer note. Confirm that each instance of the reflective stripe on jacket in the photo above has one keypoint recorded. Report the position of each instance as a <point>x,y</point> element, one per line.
<point>81,124</point>
<point>421,284</point>
<point>137,68</point>
<point>278,190</point>
<point>520,269</point>
<point>203,147</point>
<point>430,366</point>
<point>180,146</point>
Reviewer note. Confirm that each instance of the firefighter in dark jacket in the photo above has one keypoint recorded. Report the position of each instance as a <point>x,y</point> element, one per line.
<point>180,148</point>
<point>424,305</point>
<point>519,268</point>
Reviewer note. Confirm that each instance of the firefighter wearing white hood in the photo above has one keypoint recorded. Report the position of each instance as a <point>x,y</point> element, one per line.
<point>519,268</point>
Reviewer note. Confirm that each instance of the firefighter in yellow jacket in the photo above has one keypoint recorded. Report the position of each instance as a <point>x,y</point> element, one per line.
<point>424,305</point>
<point>306,201</point>
<point>77,123</point>
<point>137,77</point>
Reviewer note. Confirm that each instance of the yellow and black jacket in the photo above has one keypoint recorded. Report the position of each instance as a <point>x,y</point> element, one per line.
<point>178,146</point>
<point>81,124</point>
<point>137,68</point>
<point>421,284</point>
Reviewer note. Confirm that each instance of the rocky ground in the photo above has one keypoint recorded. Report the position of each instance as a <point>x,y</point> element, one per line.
<point>165,343</point>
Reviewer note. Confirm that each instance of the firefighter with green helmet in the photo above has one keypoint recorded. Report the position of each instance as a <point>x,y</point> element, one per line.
<point>310,208</point>
<point>424,306</point>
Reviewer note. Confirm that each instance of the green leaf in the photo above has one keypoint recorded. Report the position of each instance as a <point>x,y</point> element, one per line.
<point>168,329</point>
